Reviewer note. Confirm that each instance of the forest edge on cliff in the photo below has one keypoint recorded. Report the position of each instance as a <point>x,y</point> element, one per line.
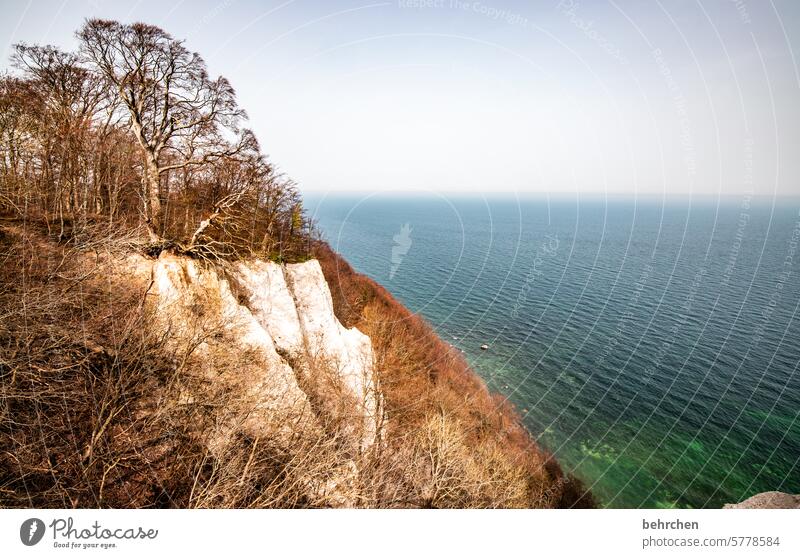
<point>128,145</point>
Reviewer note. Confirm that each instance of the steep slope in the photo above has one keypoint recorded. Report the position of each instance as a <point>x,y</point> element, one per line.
<point>302,365</point>
<point>429,391</point>
<point>293,303</point>
<point>446,440</point>
<point>133,381</point>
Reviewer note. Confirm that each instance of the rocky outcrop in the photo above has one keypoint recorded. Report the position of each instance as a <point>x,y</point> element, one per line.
<point>269,333</point>
<point>767,500</point>
<point>293,303</point>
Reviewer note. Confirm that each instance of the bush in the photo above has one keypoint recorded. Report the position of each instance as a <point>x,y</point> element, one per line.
<point>99,410</point>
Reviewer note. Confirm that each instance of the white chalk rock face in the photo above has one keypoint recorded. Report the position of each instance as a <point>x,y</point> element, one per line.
<point>348,351</point>
<point>284,316</point>
<point>196,306</point>
<point>272,303</point>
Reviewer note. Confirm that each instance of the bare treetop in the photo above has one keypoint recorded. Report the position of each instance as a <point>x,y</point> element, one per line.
<point>179,115</point>
<point>130,130</point>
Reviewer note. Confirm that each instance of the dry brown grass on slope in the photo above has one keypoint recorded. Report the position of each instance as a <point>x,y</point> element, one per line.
<point>467,446</point>
<point>75,362</point>
<point>93,403</point>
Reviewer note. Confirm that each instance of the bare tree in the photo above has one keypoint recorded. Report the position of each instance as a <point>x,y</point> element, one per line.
<point>19,102</point>
<point>179,116</point>
<point>71,96</point>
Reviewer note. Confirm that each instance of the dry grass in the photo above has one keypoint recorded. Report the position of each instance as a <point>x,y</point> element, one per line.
<point>75,365</point>
<point>99,410</point>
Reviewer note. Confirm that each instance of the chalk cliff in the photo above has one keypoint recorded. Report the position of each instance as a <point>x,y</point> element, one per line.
<point>267,331</point>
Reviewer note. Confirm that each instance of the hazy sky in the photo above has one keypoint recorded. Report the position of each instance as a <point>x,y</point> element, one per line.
<point>458,95</point>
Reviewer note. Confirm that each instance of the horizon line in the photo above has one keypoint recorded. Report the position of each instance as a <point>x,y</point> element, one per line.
<point>542,194</point>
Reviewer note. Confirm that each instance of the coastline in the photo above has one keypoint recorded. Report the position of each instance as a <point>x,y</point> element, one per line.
<point>361,302</point>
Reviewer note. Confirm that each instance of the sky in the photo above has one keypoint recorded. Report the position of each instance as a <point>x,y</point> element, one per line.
<point>685,97</point>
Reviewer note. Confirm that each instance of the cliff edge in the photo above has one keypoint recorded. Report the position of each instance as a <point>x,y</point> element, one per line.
<point>176,381</point>
<point>300,359</point>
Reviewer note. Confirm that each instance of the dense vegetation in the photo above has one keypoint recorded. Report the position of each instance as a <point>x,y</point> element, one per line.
<point>128,145</point>
<point>132,133</point>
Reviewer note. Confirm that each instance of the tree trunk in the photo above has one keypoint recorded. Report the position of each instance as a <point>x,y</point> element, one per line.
<point>151,181</point>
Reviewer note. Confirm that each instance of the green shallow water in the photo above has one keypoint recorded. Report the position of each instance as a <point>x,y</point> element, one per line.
<point>653,347</point>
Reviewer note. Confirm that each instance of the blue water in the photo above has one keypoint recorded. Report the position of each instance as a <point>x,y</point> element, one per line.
<point>652,346</point>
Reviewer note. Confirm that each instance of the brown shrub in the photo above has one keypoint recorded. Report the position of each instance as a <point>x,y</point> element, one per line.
<point>98,410</point>
<point>75,363</point>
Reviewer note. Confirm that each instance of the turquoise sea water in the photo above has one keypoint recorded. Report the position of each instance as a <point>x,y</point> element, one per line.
<point>652,346</point>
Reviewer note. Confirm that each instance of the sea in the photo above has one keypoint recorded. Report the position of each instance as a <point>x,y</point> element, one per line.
<point>651,344</point>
